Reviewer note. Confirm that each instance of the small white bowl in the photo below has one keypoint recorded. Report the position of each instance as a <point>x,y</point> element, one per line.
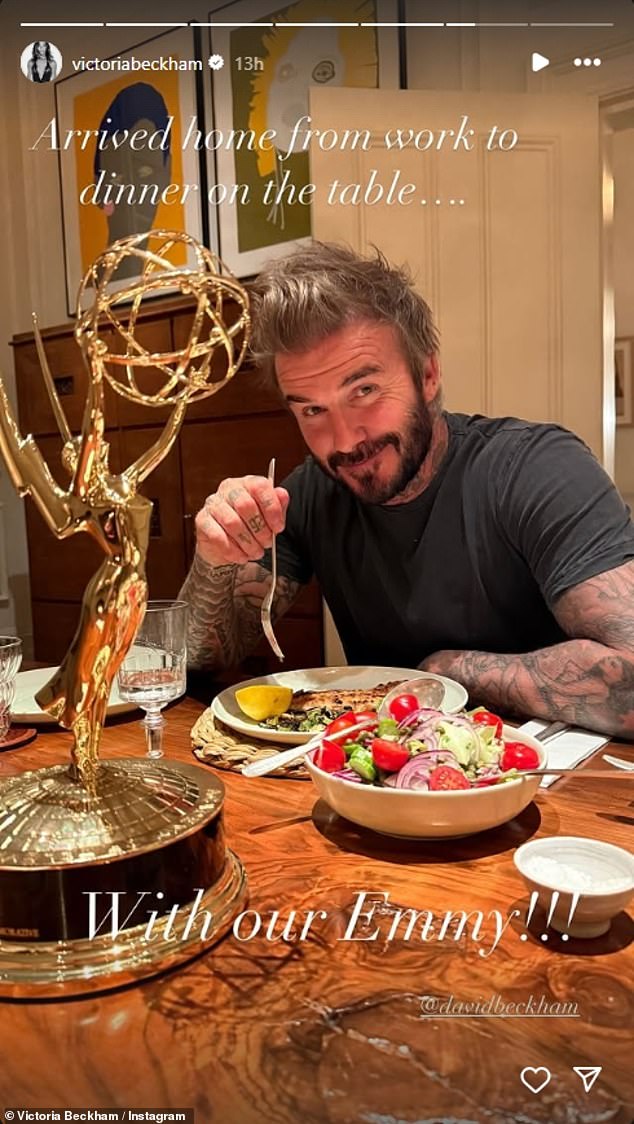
<point>601,873</point>
<point>429,815</point>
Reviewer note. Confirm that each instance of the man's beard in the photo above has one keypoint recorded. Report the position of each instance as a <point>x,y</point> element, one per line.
<point>411,445</point>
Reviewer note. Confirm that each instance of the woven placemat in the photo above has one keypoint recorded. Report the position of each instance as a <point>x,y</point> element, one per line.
<point>218,745</point>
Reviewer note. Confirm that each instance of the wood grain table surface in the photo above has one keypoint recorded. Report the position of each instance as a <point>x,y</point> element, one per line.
<point>338,1030</point>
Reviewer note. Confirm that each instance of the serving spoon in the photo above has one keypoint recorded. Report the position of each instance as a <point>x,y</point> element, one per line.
<point>429,692</point>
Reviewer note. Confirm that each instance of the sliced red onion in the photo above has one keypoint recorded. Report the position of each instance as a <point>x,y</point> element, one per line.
<point>460,720</point>
<point>415,774</point>
<point>423,714</point>
<point>421,730</point>
<point>431,740</point>
<point>347,775</point>
<point>489,771</point>
<point>433,757</point>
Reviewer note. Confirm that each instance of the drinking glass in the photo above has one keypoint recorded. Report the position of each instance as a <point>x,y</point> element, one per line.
<point>154,671</point>
<point>10,660</point>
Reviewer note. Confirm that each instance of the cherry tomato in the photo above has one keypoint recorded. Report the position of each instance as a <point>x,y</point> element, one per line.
<point>403,705</point>
<point>369,716</point>
<point>389,756</point>
<point>337,728</point>
<point>485,718</point>
<point>329,757</point>
<point>519,756</point>
<point>444,778</point>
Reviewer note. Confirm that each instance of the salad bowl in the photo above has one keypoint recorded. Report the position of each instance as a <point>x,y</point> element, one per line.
<point>418,814</point>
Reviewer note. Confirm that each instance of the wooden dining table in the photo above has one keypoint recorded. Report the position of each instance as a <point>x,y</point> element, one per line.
<point>355,1023</point>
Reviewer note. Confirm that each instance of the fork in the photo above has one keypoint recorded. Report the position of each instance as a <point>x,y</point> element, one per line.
<point>619,763</point>
<point>551,731</point>
<point>265,611</point>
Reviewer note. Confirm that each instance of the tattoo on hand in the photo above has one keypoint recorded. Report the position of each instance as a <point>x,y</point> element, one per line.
<point>256,524</point>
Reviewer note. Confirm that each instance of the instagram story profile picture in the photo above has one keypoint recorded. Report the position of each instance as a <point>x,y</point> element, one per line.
<point>41,61</point>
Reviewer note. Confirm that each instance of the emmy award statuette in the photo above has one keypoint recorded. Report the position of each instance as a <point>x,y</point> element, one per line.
<point>144,833</point>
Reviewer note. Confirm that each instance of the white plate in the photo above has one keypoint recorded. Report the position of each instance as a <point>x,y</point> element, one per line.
<point>225,707</point>
<point>28,683</point>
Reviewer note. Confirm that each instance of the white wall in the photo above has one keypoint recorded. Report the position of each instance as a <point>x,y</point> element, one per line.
<point>623,240</point>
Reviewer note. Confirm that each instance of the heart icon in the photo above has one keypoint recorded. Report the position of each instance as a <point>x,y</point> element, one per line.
<point>535,1079</point>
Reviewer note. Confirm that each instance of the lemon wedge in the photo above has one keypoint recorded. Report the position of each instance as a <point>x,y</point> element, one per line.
<point>266,701</point>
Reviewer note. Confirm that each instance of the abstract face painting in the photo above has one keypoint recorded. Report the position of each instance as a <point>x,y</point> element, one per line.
<point>270,93</point>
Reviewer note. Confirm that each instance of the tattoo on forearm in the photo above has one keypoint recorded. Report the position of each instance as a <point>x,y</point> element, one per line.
<point>209,593</point>
<point>224,610</point>
<point>586,681</point>
<point>578,681</point>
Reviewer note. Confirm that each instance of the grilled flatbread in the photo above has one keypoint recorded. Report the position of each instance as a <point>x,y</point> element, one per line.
<point>343,699</point>
<point>311,711</point>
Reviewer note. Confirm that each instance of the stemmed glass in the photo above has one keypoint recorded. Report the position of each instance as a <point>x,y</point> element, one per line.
<point>154,671</point>
<point>10,660</point>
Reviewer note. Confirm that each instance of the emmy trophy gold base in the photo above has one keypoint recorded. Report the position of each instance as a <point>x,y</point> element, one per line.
<point>150,846</point>
<point>145,837</point>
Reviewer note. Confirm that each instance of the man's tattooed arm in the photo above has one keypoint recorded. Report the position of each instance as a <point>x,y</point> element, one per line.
<point>224,611</point>
<point>586,681</point>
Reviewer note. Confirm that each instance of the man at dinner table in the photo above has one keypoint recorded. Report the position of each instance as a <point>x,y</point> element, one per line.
<point>492,550</point>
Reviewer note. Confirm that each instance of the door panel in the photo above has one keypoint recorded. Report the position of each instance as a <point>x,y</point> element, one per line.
<point>512,273</point>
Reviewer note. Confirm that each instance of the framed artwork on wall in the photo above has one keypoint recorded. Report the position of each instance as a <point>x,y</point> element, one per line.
<point>158,177</point>
<point>623,382</point>
<point>272,59</point>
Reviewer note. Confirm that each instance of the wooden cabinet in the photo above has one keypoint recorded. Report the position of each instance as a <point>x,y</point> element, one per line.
<point>229,434</point>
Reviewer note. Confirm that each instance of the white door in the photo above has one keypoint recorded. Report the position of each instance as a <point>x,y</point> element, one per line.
<point>513,273</point>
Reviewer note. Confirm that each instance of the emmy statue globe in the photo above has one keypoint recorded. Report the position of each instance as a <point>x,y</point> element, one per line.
<point>144,837</point>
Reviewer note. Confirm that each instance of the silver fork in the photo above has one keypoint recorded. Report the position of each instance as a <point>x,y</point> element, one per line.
<point>551,731</point>
<point>619,763</point>
<point>265,611</point>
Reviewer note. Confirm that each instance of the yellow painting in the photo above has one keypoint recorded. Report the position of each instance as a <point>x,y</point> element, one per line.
<point>122,103</point>
<point>113,185</point>
<point>266,92</point>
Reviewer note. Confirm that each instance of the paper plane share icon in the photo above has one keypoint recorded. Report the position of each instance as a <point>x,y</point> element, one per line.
<point>588,1074</point>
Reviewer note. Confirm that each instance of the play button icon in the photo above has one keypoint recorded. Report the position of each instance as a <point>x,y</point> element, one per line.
<point>538,62</point>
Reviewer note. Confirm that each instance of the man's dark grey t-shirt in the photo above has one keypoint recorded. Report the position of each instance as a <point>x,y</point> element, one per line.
<point>518,513</point>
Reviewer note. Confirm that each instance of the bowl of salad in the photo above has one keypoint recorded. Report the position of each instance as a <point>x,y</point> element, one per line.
<point>423,774</point>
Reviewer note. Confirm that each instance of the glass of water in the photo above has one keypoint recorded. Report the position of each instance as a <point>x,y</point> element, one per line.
<point>10,660</point>
<point>154,670</point>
